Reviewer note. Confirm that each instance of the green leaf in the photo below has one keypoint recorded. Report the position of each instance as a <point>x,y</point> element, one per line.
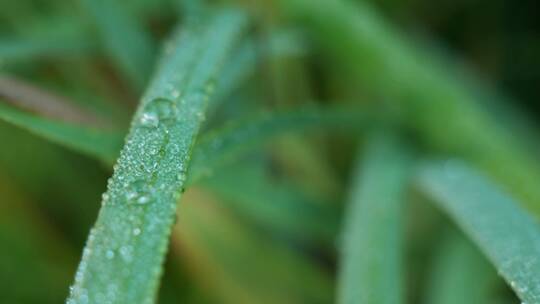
<point>126,41</point>
<point>224,145</point>
<point>437,105</point>
<point>54,37</point>
<point>275,206</point>
<point>460,274</point>
<point>241,264</point>
<point>371,265</point>
<point>251,54</point>
<point>123,257</point>
<point>103,144</point>
<point>506,234</point>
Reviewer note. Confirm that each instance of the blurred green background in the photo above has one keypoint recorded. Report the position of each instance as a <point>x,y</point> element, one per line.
<point>223,250</point>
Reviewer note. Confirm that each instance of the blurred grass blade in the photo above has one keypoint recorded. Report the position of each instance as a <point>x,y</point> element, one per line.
<point>27,96</point>
<point>55,37</point>
<point>250,55</point>
<point>123,258</point>
<point>126,41</point>
<point>437,106</point>
<point>371,269</point>
<point>460,274</point>
<point>102,144</point>
<point>245,266</point>
<point>222,146</point>
<point>508,235</point>
<point>274,205</point>
<point>307,169</point>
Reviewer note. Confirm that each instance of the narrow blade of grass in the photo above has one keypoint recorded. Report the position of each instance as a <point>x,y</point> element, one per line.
<point>122,261</point>
<point>103,144</point>
<point>126,41</point>
<point>507,235</point>
<point>224,145</point>
<point>56,37</point>
<point>372,250</point>
<point>460,274</point>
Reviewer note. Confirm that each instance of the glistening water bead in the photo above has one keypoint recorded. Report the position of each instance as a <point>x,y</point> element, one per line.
<point>138,193</point>
<point>158,111</point>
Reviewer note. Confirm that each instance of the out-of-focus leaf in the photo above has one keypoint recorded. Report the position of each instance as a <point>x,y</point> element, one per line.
<point>506,234</point>
<point>254,269</point>
<point>275,206</point>
<point>54,38</point>
<point>371,265</point>
<point>126,41</point>
<point>460,274</point>
<point>103,144</point>
<point>221,146</point>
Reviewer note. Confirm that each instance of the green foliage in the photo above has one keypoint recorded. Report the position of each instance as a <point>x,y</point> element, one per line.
<point>122,260</point>
<point>103,144</point>
<point>503,231</point>
<point>460,273</point>
<point>427,94</point>
<point>289,134</point>
<point>372,254</point>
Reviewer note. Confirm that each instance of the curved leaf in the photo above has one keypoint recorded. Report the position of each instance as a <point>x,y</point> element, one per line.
<point>507,235</point>
<point>103,144</point>
<point>123,257</point>
<point>371,269</point>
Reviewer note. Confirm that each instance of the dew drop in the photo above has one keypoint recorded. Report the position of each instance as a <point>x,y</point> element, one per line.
<point>126,252</point>
<point>143,199</point>
<point>136,231</point>
<point>158,111</point>
<point>138,192</point>
<point>149,119</point>
<point>109,254</point>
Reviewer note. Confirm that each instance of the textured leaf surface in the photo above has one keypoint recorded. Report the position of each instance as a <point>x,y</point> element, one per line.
<point>123,257</point>
<point>508,235</point>
<point>372,250</point>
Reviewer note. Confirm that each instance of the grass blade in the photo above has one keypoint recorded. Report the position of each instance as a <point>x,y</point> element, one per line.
<point>103,144</point>
<point>127,43</point>
<point>460,274</point>
<point>123,257</point>
<point>226,144</point>
<point>274,205</point>
<point>372,249</point>
<point>56,37</point>
<point>507,235</point>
